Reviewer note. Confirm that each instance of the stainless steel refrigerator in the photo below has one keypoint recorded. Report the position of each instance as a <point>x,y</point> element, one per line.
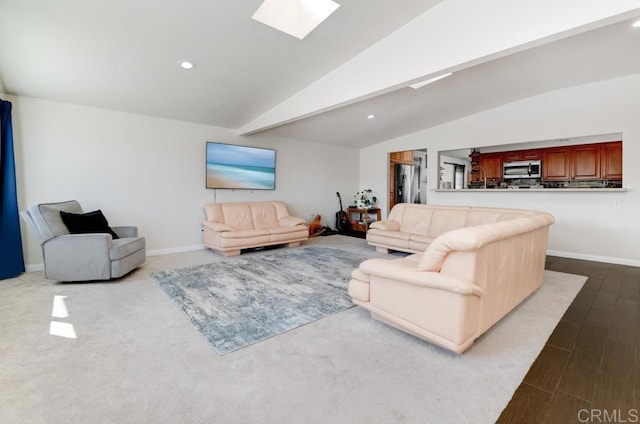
<point>407,183</point>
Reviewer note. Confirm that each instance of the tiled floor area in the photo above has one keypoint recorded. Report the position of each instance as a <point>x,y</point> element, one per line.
<point>589,370</point>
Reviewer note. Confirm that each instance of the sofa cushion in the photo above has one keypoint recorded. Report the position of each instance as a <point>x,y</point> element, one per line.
<point>479,216</point>
<point>388,234</point>
<point>420,243</point>
<point>213,212</point>
<point>87,223</point>
<point>286,230</point>
<point>48,219</point>
<point>124,247</point>
<point>416,220</point>
<point>238,215</point>
<point>482,216</point>
<point>243,242</point>
<point>294,233</point>
<point>444,220</point>
<point>264,216</point>
<point>244,234</point>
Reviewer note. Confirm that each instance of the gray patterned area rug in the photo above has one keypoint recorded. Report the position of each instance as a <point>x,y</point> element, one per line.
<point>240,301</point>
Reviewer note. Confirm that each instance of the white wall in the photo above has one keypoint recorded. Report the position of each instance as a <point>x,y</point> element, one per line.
<point>591,225</point>
<point>150,172</point>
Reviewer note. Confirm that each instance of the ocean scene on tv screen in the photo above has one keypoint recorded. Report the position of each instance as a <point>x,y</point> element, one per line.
<point>231,166</point>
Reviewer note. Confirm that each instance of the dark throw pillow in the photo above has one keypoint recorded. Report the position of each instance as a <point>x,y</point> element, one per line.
<point>84,223</point>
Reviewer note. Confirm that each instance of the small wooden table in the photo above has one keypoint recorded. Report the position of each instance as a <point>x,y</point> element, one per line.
<point>361,218</point>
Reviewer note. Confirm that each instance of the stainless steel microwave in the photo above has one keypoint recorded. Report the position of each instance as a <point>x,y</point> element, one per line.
<point>522,169</point>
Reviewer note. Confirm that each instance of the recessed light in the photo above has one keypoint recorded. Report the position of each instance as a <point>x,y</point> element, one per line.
<point>636,24</point>
<point>429,81</point>
<point>294,17</point>
<point>371,116</point>
<point>185,64</point>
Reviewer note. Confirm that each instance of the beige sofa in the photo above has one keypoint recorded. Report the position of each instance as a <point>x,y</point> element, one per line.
<point>478,265</point>
<point>231,227</point>
<point>412,227</point>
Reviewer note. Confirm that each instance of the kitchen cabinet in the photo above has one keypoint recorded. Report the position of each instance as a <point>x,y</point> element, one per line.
<point>486,170</point>
<point>612,161</point>
<point>591,163</point>
<point>556,164</point>
<point>512,156</point>
<point>585,161</point>
<point>405,157</point>
<point>533,154</point>
<point>491,166</point>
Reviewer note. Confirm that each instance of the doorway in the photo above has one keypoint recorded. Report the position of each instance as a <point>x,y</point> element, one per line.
<point>407,177</point>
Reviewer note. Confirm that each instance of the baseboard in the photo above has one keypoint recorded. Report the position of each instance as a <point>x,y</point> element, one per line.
<point>594,258</point>
<point>159,252</point>
<point>34,267</point>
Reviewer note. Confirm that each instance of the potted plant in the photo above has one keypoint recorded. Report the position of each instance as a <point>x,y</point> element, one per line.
<point>365,199</point>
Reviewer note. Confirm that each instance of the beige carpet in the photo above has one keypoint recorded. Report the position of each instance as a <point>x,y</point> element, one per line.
<point>136,359</point>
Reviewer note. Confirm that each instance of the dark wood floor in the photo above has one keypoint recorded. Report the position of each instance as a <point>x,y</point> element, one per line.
<point>589,369</point>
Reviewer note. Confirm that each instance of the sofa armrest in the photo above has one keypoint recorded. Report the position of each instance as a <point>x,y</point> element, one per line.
<point>77,257</point>
<point>291,221</point>
<point>217,226</point>
<point>126,231</point>
<point>387,269</point>
<point>386,225</point>
<point>87,241</point>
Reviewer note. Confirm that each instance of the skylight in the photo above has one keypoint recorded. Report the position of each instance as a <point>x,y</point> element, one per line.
<point>429,81</point>
<point>294,17</point>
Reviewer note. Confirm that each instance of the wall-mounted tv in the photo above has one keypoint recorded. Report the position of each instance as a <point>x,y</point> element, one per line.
<point>240,167</point>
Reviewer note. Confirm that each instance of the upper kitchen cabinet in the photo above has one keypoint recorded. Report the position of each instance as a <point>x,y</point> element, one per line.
<point>612,161</point>
<point>583,162</point>
<point>405,157</point>
<point>533,154</point>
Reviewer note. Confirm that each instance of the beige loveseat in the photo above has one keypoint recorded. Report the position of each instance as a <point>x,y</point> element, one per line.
<point>231,227</point>
<point>478,265</point>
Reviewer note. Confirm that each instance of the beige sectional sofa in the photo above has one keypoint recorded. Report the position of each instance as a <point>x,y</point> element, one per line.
<point>477,265</point>
<point>231,227</point>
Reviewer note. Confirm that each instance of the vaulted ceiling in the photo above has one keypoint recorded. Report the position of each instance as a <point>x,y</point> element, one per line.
<point>123,55</point>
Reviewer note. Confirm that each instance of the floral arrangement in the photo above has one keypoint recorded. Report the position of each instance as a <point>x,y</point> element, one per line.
<point>365,198</point>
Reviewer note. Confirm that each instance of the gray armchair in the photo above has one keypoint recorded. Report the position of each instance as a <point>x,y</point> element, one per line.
<point>82,257</point>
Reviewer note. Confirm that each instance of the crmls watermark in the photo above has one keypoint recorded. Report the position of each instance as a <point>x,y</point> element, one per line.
<point>608,416</point>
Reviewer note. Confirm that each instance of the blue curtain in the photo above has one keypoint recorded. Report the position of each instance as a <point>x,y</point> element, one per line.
<point>11,260</point>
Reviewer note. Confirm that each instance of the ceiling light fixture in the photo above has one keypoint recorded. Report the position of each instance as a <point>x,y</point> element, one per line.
<point>185,64</point>
<point>429,81</point>
<point>636,24</point>
<point>294,17</point>
<point>371,116</point>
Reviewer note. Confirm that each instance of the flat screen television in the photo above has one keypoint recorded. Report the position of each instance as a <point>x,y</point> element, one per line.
<point>240,167</point>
